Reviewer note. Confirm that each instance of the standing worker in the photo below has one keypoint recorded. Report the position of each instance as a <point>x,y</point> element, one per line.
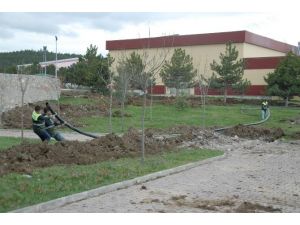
<point>50,126</point>
<point>264,109</point>
<point>38,124</point>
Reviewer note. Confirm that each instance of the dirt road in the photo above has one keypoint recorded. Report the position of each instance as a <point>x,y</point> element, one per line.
<point>256,176</point>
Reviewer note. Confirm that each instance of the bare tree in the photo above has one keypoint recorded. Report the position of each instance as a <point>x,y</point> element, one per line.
<point>23,84</point>
<point>109,62</point>
<point>109,84</point>
<point>152,64</point>
<point>2,104</point>
<point>140,69</point>
<point>203,81</point>
<point>125,71</point>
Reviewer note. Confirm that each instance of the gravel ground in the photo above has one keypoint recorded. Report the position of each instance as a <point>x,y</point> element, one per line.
<point>256,176</point>
<point>71,136</point>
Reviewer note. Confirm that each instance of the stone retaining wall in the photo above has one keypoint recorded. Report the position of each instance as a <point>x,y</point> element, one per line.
<point>39,88</point>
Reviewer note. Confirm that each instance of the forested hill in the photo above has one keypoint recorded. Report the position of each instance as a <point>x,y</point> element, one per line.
<point>8,60</point>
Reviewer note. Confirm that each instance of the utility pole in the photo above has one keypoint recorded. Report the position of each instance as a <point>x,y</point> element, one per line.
<point>55,56</point>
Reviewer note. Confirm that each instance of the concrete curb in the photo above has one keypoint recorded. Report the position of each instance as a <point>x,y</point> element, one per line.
<point>42,207</point>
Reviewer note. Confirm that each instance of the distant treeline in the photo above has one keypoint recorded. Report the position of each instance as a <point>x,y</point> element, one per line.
<point>9,60</point>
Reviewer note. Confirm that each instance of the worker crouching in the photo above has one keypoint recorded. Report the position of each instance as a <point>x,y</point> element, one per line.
<point>51,125</point>
<point>38,124</point>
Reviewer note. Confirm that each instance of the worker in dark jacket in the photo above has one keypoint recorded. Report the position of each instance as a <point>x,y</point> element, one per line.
<point>51,124</point>
<point>38,124</point>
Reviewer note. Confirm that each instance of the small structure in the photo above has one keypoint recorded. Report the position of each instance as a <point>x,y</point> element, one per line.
<point>61,63</point>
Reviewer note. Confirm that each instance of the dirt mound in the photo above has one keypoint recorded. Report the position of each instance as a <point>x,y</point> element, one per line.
<point>29,156</point>
<point>255,132</point>
<point>12,118</point>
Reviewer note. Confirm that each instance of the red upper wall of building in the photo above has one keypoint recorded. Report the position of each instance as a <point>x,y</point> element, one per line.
<point>199,39</point>
<point>262,63</point>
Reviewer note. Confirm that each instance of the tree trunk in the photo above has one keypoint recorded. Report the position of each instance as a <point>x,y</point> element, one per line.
<point>122,114</point>
<point>143,128</point>
<point>123,108</point>
<point>176,92</point>
<point>225,95</point>
<point>151,101</point>
<point>22,118</point>
<point>58,96</point>
<point>286,102</point>
<point>110,111</point>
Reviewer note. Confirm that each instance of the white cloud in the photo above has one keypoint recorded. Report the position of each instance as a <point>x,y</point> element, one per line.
<point>77,30</point>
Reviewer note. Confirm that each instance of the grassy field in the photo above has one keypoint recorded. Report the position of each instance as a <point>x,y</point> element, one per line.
<point>219,116</point>
<point>6,142</point>
<point>18,191</point>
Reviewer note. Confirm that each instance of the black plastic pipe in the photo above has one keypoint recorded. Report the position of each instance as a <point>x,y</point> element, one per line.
<point>67,124</point>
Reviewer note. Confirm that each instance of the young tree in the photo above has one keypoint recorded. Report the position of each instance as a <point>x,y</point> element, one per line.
<point>124,70</point>
<point>23,84</point>
<point>109,84</point>
<point>110,60</point>
<point>141,80</point>
<point>229,71</point>
<point>285,80</point>
<point>203,82</point>
<point>2,103</point>
<point>178,71</point>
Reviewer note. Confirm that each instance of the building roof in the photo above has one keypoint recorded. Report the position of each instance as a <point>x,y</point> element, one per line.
<point>200,39</point>
<point>60,61</point>
<point>52,62</point>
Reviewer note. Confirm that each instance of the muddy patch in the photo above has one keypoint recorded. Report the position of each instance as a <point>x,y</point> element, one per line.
<point>251,132</point>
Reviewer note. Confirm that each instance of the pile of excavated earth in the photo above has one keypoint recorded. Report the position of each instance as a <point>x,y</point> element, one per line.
<point>24,158</point>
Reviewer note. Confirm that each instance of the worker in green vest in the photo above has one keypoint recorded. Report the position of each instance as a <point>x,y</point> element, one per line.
<point>38,124</point>
<point>51,124</point>
<point>264,109</point>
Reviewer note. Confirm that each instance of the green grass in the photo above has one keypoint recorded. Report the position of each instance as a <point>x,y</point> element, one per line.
<point>6,142</point>
<point>164,116</point>
<point>77,101</point>
<point>280,118</point>
<point>18,191</point>
<point>167,116</point>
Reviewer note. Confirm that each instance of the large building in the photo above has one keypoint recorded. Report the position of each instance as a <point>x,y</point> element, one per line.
<point>261,54</point>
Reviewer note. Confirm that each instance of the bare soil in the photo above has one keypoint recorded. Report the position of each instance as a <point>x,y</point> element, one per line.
<point>12,118</point>
<point>26,157</point>
<point>252,132</point>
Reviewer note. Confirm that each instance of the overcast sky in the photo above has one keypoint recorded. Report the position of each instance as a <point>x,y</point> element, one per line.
<point>76,31</point>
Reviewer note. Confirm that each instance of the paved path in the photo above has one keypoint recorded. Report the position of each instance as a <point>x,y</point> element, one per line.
<point>71,136</point>
<point>255,175</point>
